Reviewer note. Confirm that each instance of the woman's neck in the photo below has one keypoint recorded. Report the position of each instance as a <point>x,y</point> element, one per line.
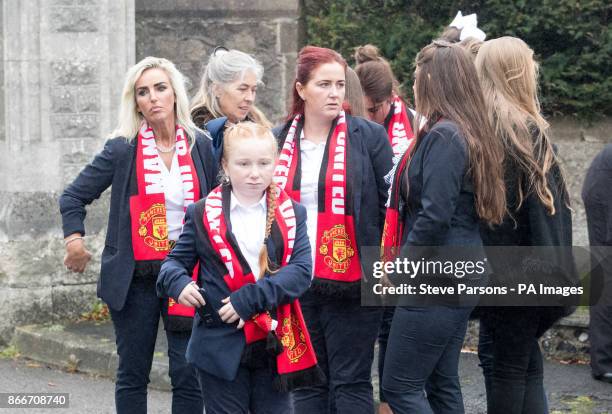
<point>165,133</point>
<point>316,129</point>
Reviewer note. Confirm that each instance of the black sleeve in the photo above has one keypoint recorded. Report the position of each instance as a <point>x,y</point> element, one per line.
<point>445,162</point>
<point>91,182</point>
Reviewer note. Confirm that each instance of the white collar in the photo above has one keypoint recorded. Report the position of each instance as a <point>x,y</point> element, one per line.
<point>235,203</point>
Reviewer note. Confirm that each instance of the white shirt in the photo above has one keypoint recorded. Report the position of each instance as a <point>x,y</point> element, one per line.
<point>312,157</point>
<point>173,191</point>
<point>249,228</point>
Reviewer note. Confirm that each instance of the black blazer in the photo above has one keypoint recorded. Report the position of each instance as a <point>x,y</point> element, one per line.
<point>370,156</point>
<point>439,207</point>
<point>113,166</point>
<point>218,350</point>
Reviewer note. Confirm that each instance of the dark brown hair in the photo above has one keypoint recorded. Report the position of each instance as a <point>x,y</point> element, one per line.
<point>375,74</point>
<point>447,86</point>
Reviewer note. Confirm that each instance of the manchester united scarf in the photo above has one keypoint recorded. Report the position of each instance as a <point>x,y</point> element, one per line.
<point>336,261</point>
<point>399,130</point>
<point>148,207</point>
<point>393,229</point>
<point>296,361</point>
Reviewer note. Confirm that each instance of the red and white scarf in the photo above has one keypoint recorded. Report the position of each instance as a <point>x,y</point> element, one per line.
<point>297,360</point>
<point>336,251</point>
<point>393,229</point>
<point>400,132</point>
<point>148,207</point>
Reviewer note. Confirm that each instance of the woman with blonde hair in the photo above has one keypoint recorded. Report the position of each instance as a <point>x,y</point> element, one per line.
<point>158,162</point>
<point>537,215</point>
<point>227,94</point>
<point>251,241</point>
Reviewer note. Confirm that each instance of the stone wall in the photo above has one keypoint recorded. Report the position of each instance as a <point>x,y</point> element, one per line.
<point>186,31</point>
<point>60,80</point>
<point>61,64</point>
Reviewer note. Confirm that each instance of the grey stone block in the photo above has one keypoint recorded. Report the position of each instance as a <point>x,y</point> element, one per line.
<point>87,99</point>
<point>74,72</point>
<point>72,300</point>
<point>62,100</point>
<point>54,345</point>
<point>56,3</point>
<point>75,19</point>
<point>288,37</point>
<point>21,307</point>
<point>75,126</point>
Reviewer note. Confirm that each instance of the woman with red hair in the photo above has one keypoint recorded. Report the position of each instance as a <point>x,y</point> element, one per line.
<point>334,164</point>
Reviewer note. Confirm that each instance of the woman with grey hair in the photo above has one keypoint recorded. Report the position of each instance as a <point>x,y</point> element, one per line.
<point>227,94</point>
<point>158,162</point>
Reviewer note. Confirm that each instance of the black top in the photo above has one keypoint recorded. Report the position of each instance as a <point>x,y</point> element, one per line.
<point>439,207</point>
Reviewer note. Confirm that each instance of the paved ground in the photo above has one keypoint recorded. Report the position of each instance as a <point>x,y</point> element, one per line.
<point>88,394</point>
<point>570,388</point>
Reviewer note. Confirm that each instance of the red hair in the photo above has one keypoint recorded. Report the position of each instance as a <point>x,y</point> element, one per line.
<point>308,60</point>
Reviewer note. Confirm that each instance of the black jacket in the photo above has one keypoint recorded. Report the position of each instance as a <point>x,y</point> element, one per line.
<point>218,350</point>
<point>370,158</point>
<point>114,166</point>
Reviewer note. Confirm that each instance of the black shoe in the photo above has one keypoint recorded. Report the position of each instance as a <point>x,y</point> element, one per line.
<point>605,377</point>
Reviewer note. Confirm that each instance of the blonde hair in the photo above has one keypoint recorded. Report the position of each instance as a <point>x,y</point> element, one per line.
<point>471,45</point>
<point>509,74</point>
<point>223,68</point>
<point>251,130</point>
<point>129,117</point>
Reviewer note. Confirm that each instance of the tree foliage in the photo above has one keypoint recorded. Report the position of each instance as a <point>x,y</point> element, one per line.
<point>571,39</point>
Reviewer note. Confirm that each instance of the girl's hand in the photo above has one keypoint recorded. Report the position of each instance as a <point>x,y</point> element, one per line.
<point>190,296</point>
<point>228,314</point>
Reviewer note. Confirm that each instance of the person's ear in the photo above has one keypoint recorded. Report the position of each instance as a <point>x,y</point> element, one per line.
<point>217,90</point>
<point>300,90</point>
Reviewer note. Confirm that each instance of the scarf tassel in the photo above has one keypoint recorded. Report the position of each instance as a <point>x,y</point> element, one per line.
<point>310,377</point>
<point>273,344</point>
<point>339,290</point>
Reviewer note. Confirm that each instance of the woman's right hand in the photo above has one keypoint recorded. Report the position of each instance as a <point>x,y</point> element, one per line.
<point>77,256</point>
<point>190,296</point>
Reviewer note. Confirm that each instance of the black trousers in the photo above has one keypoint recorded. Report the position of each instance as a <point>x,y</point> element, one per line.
<point>598,206</point>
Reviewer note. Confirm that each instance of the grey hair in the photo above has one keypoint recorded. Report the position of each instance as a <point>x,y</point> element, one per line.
<point>129,117</point>
<point>222,69</point>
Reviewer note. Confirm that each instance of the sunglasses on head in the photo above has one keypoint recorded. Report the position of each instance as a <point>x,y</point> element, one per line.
<point>219,50</point>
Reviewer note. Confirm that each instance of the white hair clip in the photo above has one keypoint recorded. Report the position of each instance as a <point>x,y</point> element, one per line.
<point>468,26</point>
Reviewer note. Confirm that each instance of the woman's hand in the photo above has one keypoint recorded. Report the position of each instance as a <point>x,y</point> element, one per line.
<point>77,256</point>
<point>228,314</point>
<point>190,296</point>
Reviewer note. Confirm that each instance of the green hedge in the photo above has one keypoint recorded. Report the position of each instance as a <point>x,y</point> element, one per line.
<point>571,39</point>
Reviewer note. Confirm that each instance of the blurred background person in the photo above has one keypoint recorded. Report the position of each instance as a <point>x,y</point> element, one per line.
<point>598,205</point>
<point>538,214</point>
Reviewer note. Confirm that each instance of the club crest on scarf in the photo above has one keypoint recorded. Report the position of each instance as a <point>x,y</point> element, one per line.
<point>341,250</point>
<point>293,339</point>
<point>148,206</point>
<point>297,354</point>
<point>336,255</point>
